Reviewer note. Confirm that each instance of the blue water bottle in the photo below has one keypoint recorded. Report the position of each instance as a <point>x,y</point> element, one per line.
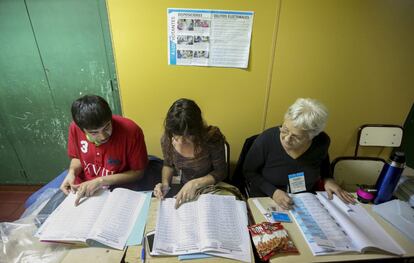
<point>389,177</point>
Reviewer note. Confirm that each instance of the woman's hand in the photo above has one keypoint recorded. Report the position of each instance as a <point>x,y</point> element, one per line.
<point>87,188</point>
<point>186,194</point>
<point>282,199</point>
<point>160,190</point>
<point>333,188</point>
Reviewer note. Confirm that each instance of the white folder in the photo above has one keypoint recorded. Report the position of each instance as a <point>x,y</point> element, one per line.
<point>398,213</point>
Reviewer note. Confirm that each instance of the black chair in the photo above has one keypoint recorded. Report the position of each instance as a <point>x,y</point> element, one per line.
<point>238,179</point>
<point>227,157</point>
<point>152,176</point>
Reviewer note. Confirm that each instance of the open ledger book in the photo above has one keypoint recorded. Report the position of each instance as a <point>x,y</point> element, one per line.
<point>214,225</point>
<point>105,218</point>
<point>331,226</point>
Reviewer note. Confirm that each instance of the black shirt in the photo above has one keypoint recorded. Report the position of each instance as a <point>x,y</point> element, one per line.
<point>267,165</point>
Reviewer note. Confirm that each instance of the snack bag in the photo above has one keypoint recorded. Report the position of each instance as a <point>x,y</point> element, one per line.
<point>270,239</point>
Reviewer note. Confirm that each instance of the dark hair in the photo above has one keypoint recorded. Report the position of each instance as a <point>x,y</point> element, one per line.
<point>91,112</point>
<point>184,119</point>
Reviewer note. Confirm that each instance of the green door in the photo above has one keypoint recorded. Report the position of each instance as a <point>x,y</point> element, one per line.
<point>26,108</point>
<point>10,164</point>
<point>51,52</point>
<point>73,40</point>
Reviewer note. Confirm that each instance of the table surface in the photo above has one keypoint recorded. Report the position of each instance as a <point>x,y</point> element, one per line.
<point>133,253</point>
<point>306,254</point>
<point>93,254</point>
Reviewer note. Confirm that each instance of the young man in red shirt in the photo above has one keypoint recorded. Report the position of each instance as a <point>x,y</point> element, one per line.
<point>105,149</point>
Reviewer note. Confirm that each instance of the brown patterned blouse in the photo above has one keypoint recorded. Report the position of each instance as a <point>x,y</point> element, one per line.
<point>210,160</point>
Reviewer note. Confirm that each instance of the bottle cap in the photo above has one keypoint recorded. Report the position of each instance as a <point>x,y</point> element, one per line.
<point>398,157</point>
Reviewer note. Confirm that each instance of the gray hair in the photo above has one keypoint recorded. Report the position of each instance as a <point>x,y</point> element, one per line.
<point>308,115</point>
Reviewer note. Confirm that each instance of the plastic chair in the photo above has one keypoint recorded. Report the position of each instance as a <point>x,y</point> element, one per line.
<point>350,171</point>
<point>379,135</point>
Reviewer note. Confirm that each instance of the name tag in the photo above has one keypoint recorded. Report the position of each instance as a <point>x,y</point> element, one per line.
<point>297,182</point>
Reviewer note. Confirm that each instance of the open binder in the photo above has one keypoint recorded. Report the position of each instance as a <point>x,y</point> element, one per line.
<point>331,226</point>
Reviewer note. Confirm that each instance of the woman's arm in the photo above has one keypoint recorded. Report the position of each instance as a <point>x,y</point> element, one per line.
<point>254,162</point>
<point>219,172</point>
<point>161,189</point>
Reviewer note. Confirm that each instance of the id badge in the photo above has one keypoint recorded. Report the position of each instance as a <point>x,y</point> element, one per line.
<point>297,182</point>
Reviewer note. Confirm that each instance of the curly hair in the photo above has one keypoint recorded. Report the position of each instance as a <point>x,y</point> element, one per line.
<point>309,115</point>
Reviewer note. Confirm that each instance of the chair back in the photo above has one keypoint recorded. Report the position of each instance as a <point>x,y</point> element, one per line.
<point>238,179</point>
<point>379,135</point>
<point>349,172</point>
<point>227,157</point>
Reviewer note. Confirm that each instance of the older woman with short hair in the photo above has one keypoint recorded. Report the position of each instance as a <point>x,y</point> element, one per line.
<point>293,157</point>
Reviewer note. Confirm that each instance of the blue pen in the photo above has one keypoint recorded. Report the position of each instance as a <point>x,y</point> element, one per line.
<point>143,250</point>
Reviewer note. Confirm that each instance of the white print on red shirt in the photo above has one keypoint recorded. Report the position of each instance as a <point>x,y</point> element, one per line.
<point>84,147</point>
<point>94,170</point>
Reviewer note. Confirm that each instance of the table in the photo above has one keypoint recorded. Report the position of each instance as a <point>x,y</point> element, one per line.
<point>133,253</point>
<point>306,254</point>
<point>93,254</point>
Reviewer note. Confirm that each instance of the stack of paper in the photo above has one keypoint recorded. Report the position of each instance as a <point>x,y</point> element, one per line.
<point>106,218</point>
<point>330,226</point>
<point>399,214</point>
<point>405,189</point>
<point>214,225</point>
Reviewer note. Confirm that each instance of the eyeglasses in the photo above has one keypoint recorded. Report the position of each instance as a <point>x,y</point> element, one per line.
<point>295,138</point>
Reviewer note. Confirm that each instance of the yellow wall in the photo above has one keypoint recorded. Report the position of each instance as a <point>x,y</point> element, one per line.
<point>232,99</point>
<point>354,56</point>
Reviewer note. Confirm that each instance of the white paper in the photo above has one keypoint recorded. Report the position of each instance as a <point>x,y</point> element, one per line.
<point>399,214</point>
<point>117,217</point>
<point>344,227</point>
<point>105,217</point>
<point>213,224</point>
<point>202,37</point>
<point>321,231</point>
<point>80,219</point>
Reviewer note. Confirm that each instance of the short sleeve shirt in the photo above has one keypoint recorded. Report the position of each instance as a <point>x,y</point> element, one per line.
<point>125,150</point>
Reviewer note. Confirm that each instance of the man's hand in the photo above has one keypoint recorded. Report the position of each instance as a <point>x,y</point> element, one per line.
<point>160,190</point>
<point>68,183</point>
<point>282,199</point>
<point>331,187</point>
<point>186,194</point>
<point>87,188</point>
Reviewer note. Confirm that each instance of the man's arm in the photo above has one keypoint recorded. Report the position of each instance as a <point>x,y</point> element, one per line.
<point>88,188</point>
<point>122,178</point>
<point>75,168</point>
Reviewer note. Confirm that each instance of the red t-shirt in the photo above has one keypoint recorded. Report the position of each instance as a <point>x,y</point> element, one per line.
<point>125,150</point>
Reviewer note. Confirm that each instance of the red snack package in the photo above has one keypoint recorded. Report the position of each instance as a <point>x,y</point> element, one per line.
<point>270,239</point>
